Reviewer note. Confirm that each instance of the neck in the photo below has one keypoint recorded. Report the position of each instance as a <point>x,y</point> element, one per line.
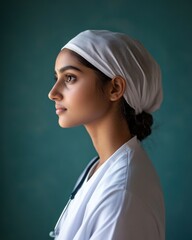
<point>108,135</point>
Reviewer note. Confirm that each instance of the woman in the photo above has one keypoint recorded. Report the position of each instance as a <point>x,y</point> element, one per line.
<point>109,83</point>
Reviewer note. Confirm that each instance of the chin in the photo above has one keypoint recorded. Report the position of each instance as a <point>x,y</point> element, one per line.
<point>63,124</point>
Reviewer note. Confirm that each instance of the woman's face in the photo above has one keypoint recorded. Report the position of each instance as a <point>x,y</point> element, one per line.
<point>78,99</point>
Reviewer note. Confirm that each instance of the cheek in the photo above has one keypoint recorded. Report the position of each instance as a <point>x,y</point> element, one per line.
<point>82,94</point>
<point>85,104</point>
<point>88,100</point>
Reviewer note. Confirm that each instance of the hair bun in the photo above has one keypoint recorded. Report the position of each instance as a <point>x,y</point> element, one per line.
<point>143,124</point>
<point>140,124</point>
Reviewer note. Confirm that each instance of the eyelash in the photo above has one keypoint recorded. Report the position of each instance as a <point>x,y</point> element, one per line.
<point>67,76</point>
<point>72,78</point>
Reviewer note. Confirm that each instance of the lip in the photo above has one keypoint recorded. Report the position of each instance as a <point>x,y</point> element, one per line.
<point>60,109</point>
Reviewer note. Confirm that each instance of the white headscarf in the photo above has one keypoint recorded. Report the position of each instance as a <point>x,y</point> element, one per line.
<point>116,54</point>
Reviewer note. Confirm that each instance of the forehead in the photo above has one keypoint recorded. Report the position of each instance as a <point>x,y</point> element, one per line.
<point>64,58</point>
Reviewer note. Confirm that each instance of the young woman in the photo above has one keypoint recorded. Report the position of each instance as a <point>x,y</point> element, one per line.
<point>109,83</point>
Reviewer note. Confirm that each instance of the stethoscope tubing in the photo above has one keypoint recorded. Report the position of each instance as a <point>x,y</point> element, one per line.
<point>55,232</point>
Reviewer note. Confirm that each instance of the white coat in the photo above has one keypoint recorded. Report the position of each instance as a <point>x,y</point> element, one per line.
<point>123,200</point>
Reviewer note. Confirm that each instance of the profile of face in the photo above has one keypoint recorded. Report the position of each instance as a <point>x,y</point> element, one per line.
<point>78,99</point>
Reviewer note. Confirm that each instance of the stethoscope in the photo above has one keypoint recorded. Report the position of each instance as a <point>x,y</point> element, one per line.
<point>55,232</point>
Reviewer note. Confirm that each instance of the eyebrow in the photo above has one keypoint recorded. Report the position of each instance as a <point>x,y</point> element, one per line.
<point>61,70</point>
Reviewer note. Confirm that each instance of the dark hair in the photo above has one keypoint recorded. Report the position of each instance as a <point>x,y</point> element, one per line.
<point>101,76</point>
<point>139,124</point>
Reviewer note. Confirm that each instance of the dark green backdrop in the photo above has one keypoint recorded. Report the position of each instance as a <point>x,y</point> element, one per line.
<point>40,162</point>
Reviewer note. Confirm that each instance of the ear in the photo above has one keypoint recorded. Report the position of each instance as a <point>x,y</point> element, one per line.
<point>117,88</point>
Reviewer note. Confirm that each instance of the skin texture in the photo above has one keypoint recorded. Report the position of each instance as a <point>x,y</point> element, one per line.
<point>74,90</point>
<point>79,101</point>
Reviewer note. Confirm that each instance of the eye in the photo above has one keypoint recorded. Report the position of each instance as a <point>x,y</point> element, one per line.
<point>70,78</point>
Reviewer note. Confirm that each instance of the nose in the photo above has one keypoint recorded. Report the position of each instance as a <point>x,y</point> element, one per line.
<point>55,93</point>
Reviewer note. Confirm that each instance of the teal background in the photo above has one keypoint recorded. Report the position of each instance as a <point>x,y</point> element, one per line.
<point>40,162</point>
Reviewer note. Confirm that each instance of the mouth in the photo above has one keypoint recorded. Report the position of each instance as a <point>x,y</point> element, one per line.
<point>60,110</point>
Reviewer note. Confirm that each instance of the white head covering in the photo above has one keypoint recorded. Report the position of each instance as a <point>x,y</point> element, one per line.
<point>116,54</point>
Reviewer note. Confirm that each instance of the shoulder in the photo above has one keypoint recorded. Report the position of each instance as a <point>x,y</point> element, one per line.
<point>129,172</point>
